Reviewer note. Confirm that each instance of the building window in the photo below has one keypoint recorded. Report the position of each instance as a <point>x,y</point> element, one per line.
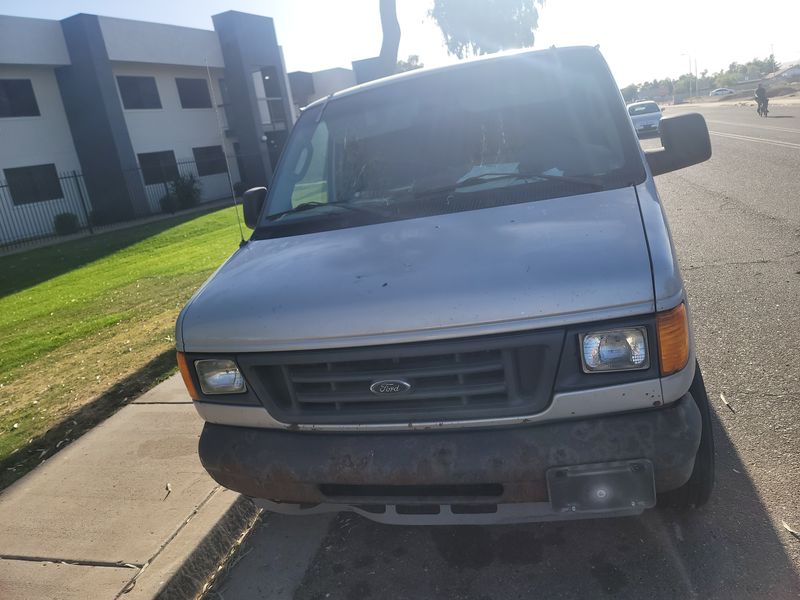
<point>138,92</point>
<point>276,111</point>
<point>158,167</point>
<point>271,84</point>
<point>17,98</point>
<point>210,160</point>
<point>193,93</point>
<point>33,184</point>
<point>268,96</point>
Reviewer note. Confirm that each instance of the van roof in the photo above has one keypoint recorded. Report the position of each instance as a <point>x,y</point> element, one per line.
<point>432,71</point>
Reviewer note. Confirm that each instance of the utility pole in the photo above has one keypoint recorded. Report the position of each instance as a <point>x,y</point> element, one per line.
<point>690,71</point>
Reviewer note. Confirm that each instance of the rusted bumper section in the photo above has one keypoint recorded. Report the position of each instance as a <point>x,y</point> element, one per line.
<point>496,465</point>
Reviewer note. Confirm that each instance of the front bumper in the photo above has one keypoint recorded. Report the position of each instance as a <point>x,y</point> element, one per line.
<point>503,467</point>
<point>647,130</point>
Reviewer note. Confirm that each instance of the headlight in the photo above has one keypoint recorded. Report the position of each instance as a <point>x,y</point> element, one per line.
<point>615,350</point>
<point>219,376</point>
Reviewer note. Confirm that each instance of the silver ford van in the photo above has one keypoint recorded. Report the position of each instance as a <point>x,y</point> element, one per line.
<point>460,303</point>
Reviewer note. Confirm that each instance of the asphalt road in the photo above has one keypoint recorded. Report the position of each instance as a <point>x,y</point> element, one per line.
<point>736,225</point>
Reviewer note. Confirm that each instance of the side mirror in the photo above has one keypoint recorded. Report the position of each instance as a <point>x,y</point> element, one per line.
<point>685,142</point>
<point>252,203</point>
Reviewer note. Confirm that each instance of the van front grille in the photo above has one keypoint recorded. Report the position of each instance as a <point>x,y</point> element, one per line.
<point>445,380</point>
<point>484,377</point>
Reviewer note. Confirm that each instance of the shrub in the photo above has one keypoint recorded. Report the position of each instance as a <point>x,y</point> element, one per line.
<point>186,191</point>
<point>168,203</point>
<point>66,223</point>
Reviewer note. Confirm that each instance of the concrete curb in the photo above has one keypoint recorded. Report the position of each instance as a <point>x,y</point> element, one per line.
<point>193,557</point>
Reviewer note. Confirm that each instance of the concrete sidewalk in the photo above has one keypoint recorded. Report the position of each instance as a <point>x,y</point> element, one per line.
<point>97,520</point>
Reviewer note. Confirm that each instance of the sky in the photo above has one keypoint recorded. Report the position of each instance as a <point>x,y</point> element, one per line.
<point>641,39</point>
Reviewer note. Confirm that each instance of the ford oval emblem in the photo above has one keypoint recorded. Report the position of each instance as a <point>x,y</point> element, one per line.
<point>389,387</point>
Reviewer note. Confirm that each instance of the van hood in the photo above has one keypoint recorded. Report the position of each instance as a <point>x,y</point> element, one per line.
<point>509,268</point>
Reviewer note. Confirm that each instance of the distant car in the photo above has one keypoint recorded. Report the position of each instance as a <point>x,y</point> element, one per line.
<point>645,116</point>
<point>721,92</point>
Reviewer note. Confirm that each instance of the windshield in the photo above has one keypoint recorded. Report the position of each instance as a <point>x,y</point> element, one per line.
<point>517,129</point>
<point>643,109</point>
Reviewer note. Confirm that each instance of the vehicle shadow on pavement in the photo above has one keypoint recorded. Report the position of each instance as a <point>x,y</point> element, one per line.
<point>727,549</point>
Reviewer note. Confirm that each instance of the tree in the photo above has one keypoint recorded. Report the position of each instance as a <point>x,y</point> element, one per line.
<point>771,64</point>
<point>684,84</point>
<point>630,92</point>
<point>410,64</point>
<point>754,72</point>
<point>726,79</point>
<point>705,82</point>
<point>472,27</point>
<point>387,60</point>
<point>734,74</point>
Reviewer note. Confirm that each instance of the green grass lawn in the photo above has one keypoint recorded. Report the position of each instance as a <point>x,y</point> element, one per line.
<point>78,318</point>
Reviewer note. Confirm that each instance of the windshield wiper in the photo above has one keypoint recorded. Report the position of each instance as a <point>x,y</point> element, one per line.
<point>493,176</point>
<point>305,206</point>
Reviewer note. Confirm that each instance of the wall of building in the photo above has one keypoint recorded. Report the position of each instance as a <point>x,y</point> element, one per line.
<point>309,87</point>
<point>74,64</point>
<point>331,80</point>
<point>249,44</point>
<point>29,141</point>
<point>25,41</point>
<point>175,128</point>
<point>140,41</point>
<point>302,86</point>
<point>91,101</point>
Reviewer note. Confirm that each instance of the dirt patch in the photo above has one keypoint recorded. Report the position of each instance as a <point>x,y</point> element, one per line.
<point>80,420</point>
<point>80,385</point>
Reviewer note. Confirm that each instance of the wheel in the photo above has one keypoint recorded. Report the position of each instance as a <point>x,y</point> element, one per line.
<point>696,491</point>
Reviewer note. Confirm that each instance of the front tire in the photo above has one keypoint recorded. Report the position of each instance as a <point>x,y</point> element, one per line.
<point>697,491</point>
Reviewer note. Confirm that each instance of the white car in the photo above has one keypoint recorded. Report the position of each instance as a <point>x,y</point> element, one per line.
<point>645,116</point>
<point>721,92</point>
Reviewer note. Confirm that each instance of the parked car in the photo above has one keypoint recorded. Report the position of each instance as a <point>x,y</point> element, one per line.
<point>646,117</point>
<point>459,304</point>
<point>721,92</point>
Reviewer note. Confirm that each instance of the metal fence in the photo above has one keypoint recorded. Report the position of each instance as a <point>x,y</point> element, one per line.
<point>24,219</point>
<point>213,186</point>
<point>35,209</point>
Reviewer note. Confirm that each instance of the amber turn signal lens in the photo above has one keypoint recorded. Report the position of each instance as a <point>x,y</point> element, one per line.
<point>673,339</point>
<point>187,377</point>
